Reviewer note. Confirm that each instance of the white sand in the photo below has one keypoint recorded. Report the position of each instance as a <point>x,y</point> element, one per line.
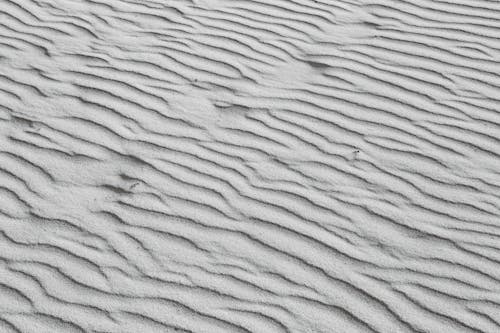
<point>249,166</point>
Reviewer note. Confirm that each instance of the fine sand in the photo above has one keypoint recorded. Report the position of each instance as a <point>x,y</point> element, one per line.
<point>267,166</point>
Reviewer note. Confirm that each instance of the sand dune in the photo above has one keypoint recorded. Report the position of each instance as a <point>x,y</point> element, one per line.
<point>249,166</point>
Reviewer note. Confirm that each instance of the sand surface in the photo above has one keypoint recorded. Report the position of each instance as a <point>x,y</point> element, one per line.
<point>267,166</point>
